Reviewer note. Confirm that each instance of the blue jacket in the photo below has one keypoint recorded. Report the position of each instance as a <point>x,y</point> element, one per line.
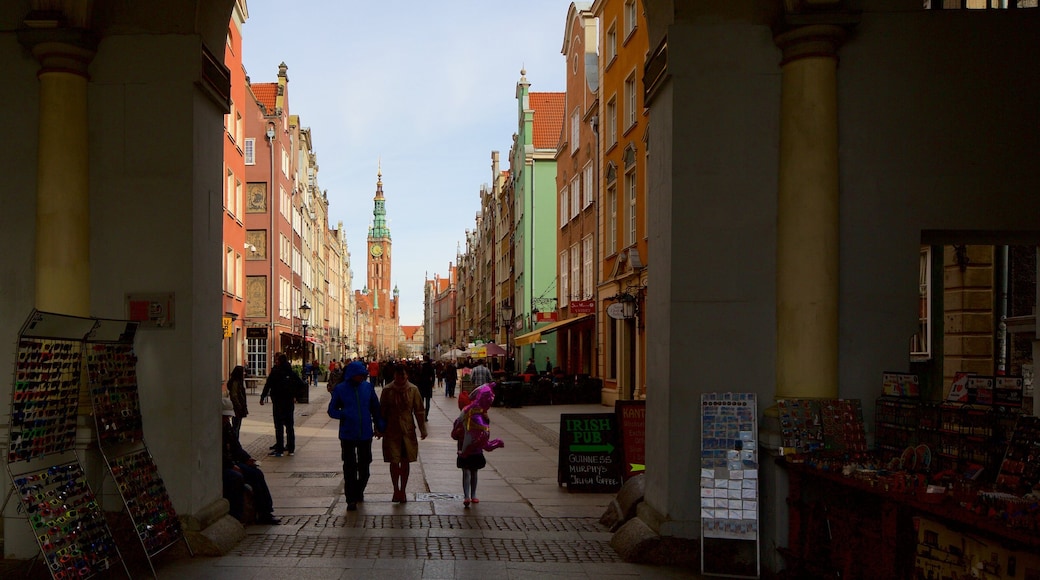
<point>356,406</point>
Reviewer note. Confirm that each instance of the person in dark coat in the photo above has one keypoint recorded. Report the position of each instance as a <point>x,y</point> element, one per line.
<point>236,388</point>
<point>282,386</point>
<point>427,377</point>
<point>355,405</point>
<point>240,470</point>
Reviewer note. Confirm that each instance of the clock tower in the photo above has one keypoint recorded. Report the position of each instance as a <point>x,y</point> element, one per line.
<point>378,300</point>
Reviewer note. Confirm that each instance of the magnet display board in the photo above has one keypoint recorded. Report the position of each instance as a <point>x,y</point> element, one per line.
<point>729,485</point>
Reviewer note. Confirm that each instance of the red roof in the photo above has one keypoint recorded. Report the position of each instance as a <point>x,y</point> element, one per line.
<point>409,331</point>
<point>548,118</point>
<point>265,94</point>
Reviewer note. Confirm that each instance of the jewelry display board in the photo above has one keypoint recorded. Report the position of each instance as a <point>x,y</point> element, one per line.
<point>811,425</point>
<point>111,370</point>
<point>66,520</point>
<point>1020,470</point>
<point>729,485</point>
<point>147,500</point>
<point>61,509</point>
<point>112,374</point>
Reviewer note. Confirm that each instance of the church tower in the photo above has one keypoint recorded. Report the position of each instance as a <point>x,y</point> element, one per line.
<point>379,299</point>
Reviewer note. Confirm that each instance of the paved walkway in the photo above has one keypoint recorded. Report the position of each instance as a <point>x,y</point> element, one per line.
<point>525,526</point>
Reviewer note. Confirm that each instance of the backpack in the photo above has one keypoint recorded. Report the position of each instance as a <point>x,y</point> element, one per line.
<point>463,398</point>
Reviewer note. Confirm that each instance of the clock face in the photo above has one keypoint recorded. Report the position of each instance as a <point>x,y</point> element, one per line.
<point>377,250</point>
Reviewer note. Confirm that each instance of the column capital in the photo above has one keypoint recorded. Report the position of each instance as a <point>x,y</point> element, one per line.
<point>60,49</point>
<point>819,40</point>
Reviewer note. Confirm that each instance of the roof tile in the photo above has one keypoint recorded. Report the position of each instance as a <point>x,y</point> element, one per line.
<point>548,118</point>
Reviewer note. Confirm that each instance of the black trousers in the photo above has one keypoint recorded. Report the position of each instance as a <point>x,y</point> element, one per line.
<point>357,461</point>
<point>284,428</point>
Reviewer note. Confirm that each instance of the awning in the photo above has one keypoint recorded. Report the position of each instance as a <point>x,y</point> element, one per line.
<point>536,335</point>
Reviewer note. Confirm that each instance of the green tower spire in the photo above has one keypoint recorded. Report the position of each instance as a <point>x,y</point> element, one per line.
<point>379,229</point>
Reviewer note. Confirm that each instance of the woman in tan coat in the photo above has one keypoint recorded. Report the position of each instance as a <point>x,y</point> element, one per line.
<point>402,408</point>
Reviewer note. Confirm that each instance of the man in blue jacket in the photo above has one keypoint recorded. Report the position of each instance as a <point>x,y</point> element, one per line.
<point>355,404</point>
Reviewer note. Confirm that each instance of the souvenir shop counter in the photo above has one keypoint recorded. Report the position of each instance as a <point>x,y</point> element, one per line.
<point>853,525</point>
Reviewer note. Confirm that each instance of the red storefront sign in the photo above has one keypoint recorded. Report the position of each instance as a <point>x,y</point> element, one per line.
<point>583,306</point>
<point>545,316</point>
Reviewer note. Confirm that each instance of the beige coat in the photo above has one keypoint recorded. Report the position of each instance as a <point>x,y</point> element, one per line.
<point>400,442</point>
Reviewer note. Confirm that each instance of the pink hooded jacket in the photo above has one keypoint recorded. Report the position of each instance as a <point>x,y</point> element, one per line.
<point>473,428</point>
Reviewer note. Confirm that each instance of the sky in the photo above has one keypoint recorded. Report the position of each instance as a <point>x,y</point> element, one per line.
<point>427,90</point>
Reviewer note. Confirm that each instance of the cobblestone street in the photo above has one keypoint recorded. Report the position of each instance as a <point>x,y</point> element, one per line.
<point>525,526</point>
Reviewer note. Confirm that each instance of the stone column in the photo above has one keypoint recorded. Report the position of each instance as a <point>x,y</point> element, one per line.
<point>807,214</point>
<point>63,175</point>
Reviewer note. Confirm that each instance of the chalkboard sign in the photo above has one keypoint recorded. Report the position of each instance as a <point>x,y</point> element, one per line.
<point>631,417</point>
<point>589,456</point>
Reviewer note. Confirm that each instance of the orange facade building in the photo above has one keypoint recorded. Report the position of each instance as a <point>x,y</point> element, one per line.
<point>622,139</point>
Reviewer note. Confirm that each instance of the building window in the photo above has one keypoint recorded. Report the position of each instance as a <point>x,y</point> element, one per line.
<point>575,196</point>
<point>229,271</point>
<point>239,273</point>
<point>575,130</point>
<point>611,210</point>
<point>586,187</point>
<point>630,100</point>
<point>630,194</point>
<point>256,356</point>
<point>630,17</point>
<point>612,346</point>
<point>921,342</point>
<point>611,44</point>
<point>575,272</point>
<point>564,280</point>
<point>239,199</point>
<point>563,207</point>
<point>586,267</point>
<point>611,122</point>
<point>229,191</point>
<point>249,151</point>
<point>238,127</point>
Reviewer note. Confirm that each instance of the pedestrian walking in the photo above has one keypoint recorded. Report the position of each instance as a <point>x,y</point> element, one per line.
<point>282,386</point>
<point>451,378</point>
<point>479,375</point>
<point>236,388</point>
<point>427,376</point>
<point>472,430</point>
<point>401,405</point>
<point>355,405</point>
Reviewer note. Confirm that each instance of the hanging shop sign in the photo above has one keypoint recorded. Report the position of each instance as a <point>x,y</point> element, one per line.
<point>583,306</point>
<point>590,460</point>
<point>545,316</point>
<point>616,311</point>
<point>227,322</point>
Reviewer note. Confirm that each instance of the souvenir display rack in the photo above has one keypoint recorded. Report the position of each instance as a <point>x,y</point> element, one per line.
<point>902,423</point>
<point>832,425</point>
<point>729,485</point>
<point>67,521</point>
<point>61,509</point>
<point>146,499</point>
<point>112,374</point>
<point>967,433</point>
<point>1020,469</point>
<point>44,398</point>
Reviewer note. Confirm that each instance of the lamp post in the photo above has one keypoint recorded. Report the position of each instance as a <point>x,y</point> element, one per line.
<point>305,313</point>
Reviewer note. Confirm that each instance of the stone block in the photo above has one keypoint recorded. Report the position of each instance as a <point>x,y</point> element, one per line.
<point>635,542</point>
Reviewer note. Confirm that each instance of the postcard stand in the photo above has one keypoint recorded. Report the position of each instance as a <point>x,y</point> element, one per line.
<point>63,512</point>
<point>729,485</point>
